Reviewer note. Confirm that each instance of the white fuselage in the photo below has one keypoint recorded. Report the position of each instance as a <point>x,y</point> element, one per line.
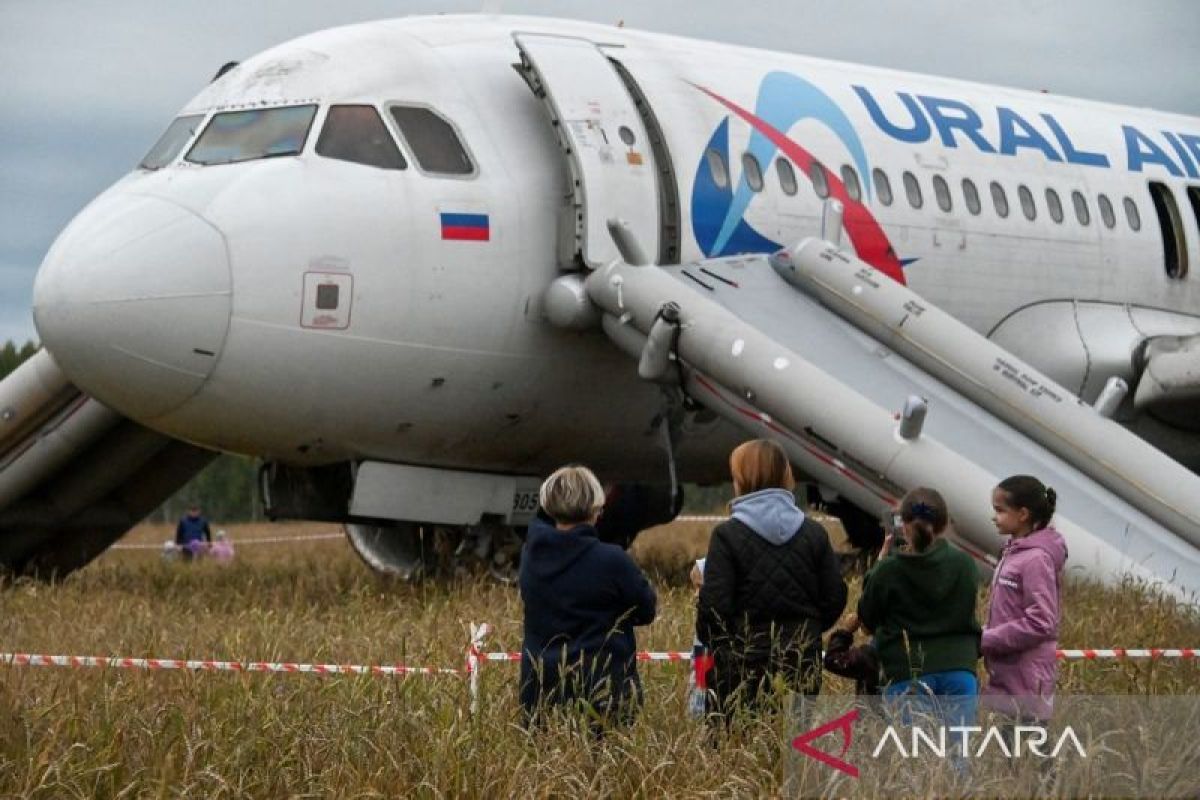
<point>183,297</point>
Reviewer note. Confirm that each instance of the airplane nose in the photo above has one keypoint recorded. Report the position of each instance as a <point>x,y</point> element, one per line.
<point>133,301</point>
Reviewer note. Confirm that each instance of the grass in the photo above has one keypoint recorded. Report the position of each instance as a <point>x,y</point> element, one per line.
<point>117,733</point>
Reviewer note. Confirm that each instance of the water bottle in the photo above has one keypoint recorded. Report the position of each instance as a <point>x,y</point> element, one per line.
<point>696,702</point>
<point>698,682</point>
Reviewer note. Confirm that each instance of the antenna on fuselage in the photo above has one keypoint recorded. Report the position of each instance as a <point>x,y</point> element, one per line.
<point>226,67</point>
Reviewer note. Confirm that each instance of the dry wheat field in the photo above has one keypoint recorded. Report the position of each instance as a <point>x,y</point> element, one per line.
<point>123,733</point>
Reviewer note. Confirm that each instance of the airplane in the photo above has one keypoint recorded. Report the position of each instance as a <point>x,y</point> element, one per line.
<point>407,263</point>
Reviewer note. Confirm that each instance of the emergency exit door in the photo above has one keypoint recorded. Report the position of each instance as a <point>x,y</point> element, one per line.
<point>602,134</point>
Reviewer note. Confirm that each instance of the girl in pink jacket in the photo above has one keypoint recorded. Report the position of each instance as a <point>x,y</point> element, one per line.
<point>1020,639</point>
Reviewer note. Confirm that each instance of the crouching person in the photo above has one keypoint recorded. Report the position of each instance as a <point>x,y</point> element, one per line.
<point>582,599</point>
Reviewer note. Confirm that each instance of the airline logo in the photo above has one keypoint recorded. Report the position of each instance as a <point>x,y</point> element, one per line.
<point>916,119</point>
<point>718,208</point>
<point>466,227</point>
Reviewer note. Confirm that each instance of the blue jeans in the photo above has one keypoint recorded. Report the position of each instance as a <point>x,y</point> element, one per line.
<point>949,698</point>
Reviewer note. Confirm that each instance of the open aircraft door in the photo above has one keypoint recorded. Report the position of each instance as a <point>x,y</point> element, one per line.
<point>605,139</point>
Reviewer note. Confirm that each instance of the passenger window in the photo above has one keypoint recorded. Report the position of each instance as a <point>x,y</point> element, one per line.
<point>357,134</point>
<point>1027,206</point>
<point>1055,205</point>
<point>1081,209</point>
<point>1170,223</point>
<point>1106,211</point>
<point>913,190</point>
<point>717,168</point>
<point>787,176</point>
<point>1132,215</point>
<point>883,187</point>
<point>169,145</point>
<point>941,191</point>
<point>434,142</point>
<point>850,180</point>
<point>247,135</point>
<point>999,200</point>
<point>820,184</point>
<point>752,171</point>
<point>971,195</point>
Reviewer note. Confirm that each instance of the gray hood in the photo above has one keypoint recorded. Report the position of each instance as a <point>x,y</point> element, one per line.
<point>771,513</point>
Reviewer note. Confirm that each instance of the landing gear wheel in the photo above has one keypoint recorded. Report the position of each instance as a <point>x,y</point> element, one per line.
<point>398,550</point>
<point>505,562</point>
<point>412,552</point>
<point>494,547</point>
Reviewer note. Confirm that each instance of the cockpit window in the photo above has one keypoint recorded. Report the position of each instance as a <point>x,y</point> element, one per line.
<point>433,140</point>
<point>356,133</point>
<point>246,135</point>
<point>178,134</point>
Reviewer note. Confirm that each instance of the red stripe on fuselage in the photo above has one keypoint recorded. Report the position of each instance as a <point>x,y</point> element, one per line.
<point>771,425</point>
<point>865,232</point>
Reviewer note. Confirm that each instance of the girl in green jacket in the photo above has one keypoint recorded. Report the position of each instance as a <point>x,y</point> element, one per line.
<point>919,603</point>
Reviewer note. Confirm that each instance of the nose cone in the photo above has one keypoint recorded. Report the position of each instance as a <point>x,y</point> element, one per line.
<point>133,301</point>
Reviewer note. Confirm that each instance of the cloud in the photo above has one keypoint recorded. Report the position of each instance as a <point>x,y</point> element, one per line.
<point>49,172</point>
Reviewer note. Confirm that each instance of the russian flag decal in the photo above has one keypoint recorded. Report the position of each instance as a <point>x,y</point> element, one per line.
<point>466,227</point>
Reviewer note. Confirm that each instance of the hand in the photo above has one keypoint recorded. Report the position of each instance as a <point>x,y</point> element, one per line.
<point>697,577</point>
<point>887,546</point>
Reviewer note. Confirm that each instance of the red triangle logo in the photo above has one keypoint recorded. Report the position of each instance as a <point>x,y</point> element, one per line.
<point>843,723</point>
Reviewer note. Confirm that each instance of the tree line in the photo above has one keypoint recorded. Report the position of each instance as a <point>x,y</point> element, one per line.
<point>12,356</point>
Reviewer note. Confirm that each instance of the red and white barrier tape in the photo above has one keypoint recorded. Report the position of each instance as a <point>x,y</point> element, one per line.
<point>478,634</point>
<point>474,659</point>
<point>1070,655</point>
<point>643,655</point>
<point>314,537</point>
<point>1120,652</point>
<point>36,660</point>
<point>239,542</point>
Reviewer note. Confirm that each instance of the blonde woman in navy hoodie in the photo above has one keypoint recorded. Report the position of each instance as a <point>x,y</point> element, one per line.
<point>582,599</point>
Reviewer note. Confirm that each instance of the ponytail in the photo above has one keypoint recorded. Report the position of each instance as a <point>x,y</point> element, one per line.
<point>925,511</point>
<point>1026,491</point>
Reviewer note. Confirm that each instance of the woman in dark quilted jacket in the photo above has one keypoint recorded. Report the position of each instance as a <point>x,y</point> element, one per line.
<point>772,585</point>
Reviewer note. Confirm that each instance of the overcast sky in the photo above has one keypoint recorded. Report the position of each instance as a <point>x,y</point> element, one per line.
<point>87,87</point>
